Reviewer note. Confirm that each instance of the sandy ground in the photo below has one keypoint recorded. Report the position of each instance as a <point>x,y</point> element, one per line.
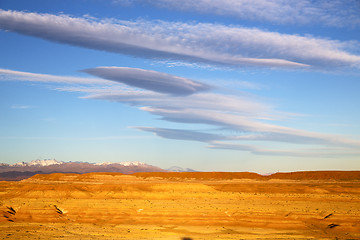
<point>115,206</point>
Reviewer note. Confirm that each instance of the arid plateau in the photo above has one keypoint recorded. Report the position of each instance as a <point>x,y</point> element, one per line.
<point>302,205</point>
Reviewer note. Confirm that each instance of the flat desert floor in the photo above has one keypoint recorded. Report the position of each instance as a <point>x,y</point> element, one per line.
<point>178,206</point>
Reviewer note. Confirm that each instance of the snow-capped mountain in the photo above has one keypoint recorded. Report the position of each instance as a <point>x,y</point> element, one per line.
<point>49,162</point>
<point>121,163</point>
<point>103,163</point>
<point>38,162</point>
<point>23,170</point>
<point>132,163</point>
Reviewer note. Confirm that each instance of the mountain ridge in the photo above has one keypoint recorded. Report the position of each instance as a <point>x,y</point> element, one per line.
<point>49,162</point>
<point>22,170</point>
<point>180,169</point>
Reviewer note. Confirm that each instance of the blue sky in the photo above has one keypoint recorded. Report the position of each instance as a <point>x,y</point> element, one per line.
<point>212,85</point>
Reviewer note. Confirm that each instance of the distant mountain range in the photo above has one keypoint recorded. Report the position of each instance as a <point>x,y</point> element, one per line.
<point>180,169</point>
<point>22,170</point>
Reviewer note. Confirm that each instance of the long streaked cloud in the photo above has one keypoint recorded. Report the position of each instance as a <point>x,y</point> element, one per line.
<point>217,141</point>
<point>251,128</point>
<point>243,115</point>
<point>216,44</point>
<point>309,153</point>
<point>181,134</point>
<point>330,13</point>
<point>247,118</point>
<point>8,74</point>
<point>249,107</point>
<point>112,91</point>
<point>149,80</point>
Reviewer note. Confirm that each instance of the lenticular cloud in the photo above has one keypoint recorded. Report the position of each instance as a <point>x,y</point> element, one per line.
<point>149,80</point>
<point>214,44</point>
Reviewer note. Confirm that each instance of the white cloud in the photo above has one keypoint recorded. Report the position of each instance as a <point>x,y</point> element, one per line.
<point>251,128</point>
<point>247,118</point>
<point>195,43</point>
<point>6,74</point>
<point>217,141</point>
<point>332,13</point>
<point>200,101</point>
<point>150,80</point>
<point>180,134</point>
<point>21,106</point>
<point>311,153</point>
<point>112,91</point>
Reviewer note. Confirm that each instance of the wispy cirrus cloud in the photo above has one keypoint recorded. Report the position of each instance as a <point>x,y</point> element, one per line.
<point>150,80</point>
<point>320,12</point>
<point>207,43</point>
<point>21,106</point>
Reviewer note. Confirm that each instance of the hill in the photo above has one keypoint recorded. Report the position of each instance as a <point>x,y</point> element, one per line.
<point>23,170</point>
<point>304,175</point>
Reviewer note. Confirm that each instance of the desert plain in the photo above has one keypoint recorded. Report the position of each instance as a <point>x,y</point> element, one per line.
<point>183,206</point>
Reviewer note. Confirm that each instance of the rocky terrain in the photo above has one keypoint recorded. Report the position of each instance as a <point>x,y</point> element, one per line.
<point>193,205</point>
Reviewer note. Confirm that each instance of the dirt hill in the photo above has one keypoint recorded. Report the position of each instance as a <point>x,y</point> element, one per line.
<point>306,175</point>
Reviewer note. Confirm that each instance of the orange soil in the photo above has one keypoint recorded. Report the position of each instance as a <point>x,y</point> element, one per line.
<point>323,205</point>
<point>307,175</point>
